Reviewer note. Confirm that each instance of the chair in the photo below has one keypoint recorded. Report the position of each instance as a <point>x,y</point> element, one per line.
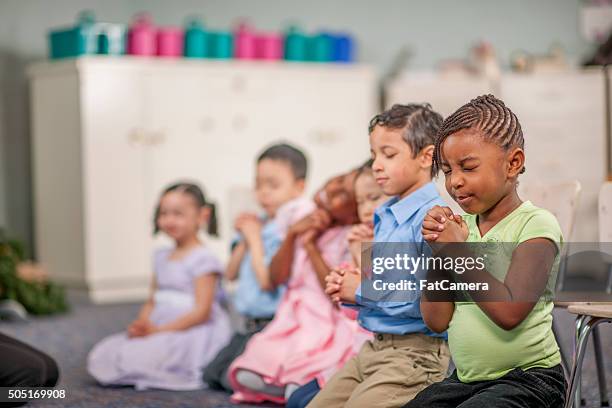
<point>561,199</point>
<point>589,316</point>
<point>585,322</point>
<point>605,223</point>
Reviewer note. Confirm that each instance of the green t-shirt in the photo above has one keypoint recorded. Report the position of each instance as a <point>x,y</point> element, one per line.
<point>482,350</point>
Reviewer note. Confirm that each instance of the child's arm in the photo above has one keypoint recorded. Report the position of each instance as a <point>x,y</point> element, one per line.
<point>437,315</point>
<point>321,222</point>
<point>318,263</point>
<point>147,307</point>
<point>258,258</point>
<point>280,266</point>
<point>142,324</point>
<point>359,238</point>
<point>233,265</point>
<point>205,286</point>
<point>525,281</point>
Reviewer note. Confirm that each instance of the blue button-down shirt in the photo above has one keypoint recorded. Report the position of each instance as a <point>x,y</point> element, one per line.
<point>249,299</point>
<point>400,221</point>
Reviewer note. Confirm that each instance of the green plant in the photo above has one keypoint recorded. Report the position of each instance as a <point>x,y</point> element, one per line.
<point>37,297</point>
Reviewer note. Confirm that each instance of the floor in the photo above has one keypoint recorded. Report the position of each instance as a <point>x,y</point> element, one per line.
<point>69,337</point>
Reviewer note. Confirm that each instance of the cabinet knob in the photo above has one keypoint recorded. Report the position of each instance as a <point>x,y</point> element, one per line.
<point>136,137</point>
<point>207,124</point>
<point>324,137</point>
<point>156,138</point>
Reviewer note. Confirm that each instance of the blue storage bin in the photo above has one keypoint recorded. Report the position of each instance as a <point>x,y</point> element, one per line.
<point>343,48</point>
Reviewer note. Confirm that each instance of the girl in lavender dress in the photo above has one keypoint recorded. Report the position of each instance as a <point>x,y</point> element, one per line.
<point>182,326</point>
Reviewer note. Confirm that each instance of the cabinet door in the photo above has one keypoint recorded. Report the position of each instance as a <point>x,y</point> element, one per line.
<point>445,94</point>
<point>187,136</point>
<point>326,111</point>
<point>563,121</point>
<point>117,218</point>
<point>210,124</point>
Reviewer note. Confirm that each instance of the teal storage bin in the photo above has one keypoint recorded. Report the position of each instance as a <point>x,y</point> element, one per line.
<point>321,48</point>
<point>220,45</point>
<point>196,41</point>
<point>111,38</point>
<point>296,45</point>
<point>87,37</point>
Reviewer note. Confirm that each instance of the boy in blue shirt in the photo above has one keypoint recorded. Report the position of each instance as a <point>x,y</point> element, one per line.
<point>279,186</point>
<point>405,356</point>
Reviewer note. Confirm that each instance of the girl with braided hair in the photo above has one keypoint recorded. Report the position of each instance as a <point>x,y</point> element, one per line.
<point>502,344</point>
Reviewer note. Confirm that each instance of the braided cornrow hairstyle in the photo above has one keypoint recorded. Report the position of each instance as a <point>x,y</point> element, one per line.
<point>419,122</point>
<point>487,114</point>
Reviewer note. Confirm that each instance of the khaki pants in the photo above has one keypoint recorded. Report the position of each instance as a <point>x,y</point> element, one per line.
<point>388,372</point>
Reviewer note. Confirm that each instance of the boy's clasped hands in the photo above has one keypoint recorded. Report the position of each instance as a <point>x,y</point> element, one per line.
<point>440,225</point>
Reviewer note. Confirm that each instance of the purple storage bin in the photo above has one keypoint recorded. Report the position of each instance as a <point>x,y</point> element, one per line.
<point>142,36</point>
<point>170,42</point>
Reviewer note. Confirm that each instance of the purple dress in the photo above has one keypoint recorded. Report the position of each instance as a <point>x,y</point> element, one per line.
<point>167,360</point>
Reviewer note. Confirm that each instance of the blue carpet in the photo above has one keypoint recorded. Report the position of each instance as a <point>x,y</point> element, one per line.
<point>68,339</point>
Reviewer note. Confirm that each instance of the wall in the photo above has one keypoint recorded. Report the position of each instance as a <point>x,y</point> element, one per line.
<point>432,30</point>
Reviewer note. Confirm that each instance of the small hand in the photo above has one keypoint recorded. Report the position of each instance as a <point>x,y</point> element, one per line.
<point>441,225</point>
<point>249,225</point>
<point>320,221</point>
<point>141,328</point>
<point>341,285</point>
<point>360,233</point>
<point>333,284</point>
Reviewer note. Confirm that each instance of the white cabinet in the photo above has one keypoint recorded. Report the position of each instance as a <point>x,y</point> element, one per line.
<point>564,122</point>
<point>110,133</point>
<point>563,117</point>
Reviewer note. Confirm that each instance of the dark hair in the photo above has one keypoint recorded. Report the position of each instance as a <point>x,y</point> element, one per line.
<point>490,116</point>
<point>367,166</point>
<point>419,122</point>
<point>290,154</point>
<point>196,193</point>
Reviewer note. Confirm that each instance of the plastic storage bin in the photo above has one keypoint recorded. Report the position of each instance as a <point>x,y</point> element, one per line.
<point>269,46</point>
<point>245,42</point>
<point>142,36</point>
<point>296,45</point>
<point>170,42</point>
<point>196,44</point>
<point>87,37</point>
<point>220,45</point>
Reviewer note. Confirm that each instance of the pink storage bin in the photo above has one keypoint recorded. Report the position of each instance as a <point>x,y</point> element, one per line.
<point>269,46</point>
<point>170,42</point>
<point>245,43</point>
<point>142,36</point>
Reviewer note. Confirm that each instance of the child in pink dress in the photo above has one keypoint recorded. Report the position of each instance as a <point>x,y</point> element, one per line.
<point>309,337</point>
